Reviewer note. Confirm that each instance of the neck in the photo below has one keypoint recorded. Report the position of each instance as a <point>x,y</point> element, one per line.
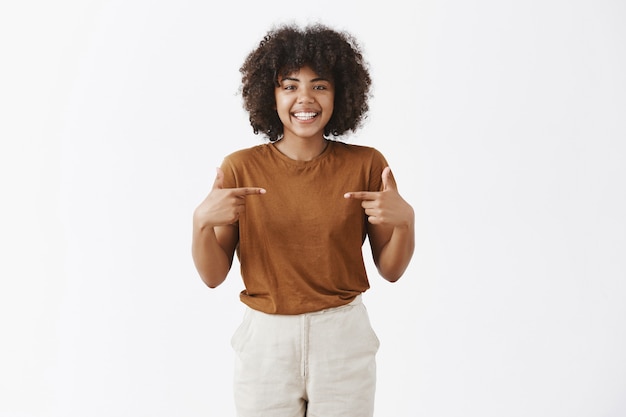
<point>301,149</point>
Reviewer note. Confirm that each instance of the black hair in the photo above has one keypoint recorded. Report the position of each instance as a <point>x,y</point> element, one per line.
<point>330,53</point>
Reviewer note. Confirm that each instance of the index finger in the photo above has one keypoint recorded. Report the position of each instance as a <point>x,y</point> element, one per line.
<point>362,195</point>
<point>248,190</point>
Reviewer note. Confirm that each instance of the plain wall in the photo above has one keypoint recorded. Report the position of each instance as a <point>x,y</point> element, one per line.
<point>502,120</point>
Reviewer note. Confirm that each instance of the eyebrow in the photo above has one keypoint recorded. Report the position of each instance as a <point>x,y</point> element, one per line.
<point>314,80</point>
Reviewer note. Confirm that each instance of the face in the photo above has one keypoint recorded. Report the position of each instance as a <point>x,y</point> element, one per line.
<point>304,102</point>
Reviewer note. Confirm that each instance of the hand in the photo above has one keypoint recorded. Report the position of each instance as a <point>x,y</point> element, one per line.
<point>223,206</point>
<point>385,207</point>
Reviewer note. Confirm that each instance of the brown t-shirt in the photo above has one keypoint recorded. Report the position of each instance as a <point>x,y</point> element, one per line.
<point>300,244</point>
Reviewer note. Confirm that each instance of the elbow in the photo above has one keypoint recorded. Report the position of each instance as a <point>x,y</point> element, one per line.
<point>212,282</point>
<point>391,275</point>
<point>211,276</point>
<point>393,278</point>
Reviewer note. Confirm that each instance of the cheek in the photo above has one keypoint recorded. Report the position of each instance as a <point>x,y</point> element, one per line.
<point>330,101</point>
<point>281,103</point>
<point>282,109</point>
<point>330,106</point>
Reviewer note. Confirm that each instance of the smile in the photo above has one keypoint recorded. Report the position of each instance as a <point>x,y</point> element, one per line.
<point>305,115</point>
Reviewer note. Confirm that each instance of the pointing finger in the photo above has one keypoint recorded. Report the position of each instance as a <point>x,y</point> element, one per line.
<point>361,195</point>
<point>249,190</point>
<point>219,184</point>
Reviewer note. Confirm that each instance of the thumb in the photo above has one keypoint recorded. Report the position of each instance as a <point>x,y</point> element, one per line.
<point>219,179</point>
<point>389,182</point>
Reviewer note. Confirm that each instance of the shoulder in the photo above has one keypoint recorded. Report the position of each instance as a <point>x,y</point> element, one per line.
<point>360,152</point>
<point>247,154</point>
<point>239,165</point>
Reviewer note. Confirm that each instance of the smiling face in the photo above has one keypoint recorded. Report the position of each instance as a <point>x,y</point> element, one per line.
<point>304,102</point>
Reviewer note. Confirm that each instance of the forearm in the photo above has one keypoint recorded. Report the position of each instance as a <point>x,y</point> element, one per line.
<point>210,258</point>
<point>397,252</point>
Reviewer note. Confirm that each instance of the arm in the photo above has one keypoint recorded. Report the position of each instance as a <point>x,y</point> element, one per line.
<point>215,231</point>
<point>391,227</point>
<point>392,249</point>
<point>213,249</point>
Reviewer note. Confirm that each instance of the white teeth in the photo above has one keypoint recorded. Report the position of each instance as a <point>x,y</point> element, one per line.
<point>305,115</point>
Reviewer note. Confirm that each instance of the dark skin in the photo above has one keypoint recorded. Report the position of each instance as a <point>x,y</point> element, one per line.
<point>304,102</point>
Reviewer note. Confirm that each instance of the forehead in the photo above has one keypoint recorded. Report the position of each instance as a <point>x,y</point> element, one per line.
<point>302,74</point>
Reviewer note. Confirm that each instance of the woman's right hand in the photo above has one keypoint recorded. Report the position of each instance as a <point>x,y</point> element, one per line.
<point>223,206</point>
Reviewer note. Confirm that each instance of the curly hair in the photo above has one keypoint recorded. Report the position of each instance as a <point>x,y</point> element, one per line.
<point>330,53</point>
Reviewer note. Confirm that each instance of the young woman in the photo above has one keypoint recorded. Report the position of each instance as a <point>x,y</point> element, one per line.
<point>296,210</point>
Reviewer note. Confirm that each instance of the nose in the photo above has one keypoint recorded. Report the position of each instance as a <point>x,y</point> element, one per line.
<point>304,97</point>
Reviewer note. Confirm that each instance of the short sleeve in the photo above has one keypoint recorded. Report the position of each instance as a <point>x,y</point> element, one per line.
<point>378,164</point>
<point>228,169</point>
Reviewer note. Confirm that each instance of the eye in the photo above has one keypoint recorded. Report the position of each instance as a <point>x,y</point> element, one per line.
<point>289,87</point>
<point>320,87</point>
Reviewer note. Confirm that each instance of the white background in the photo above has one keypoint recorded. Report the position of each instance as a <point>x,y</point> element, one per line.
<point>504,122</point>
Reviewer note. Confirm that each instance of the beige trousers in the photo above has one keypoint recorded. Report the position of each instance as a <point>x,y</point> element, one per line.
<point>319,364</point>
